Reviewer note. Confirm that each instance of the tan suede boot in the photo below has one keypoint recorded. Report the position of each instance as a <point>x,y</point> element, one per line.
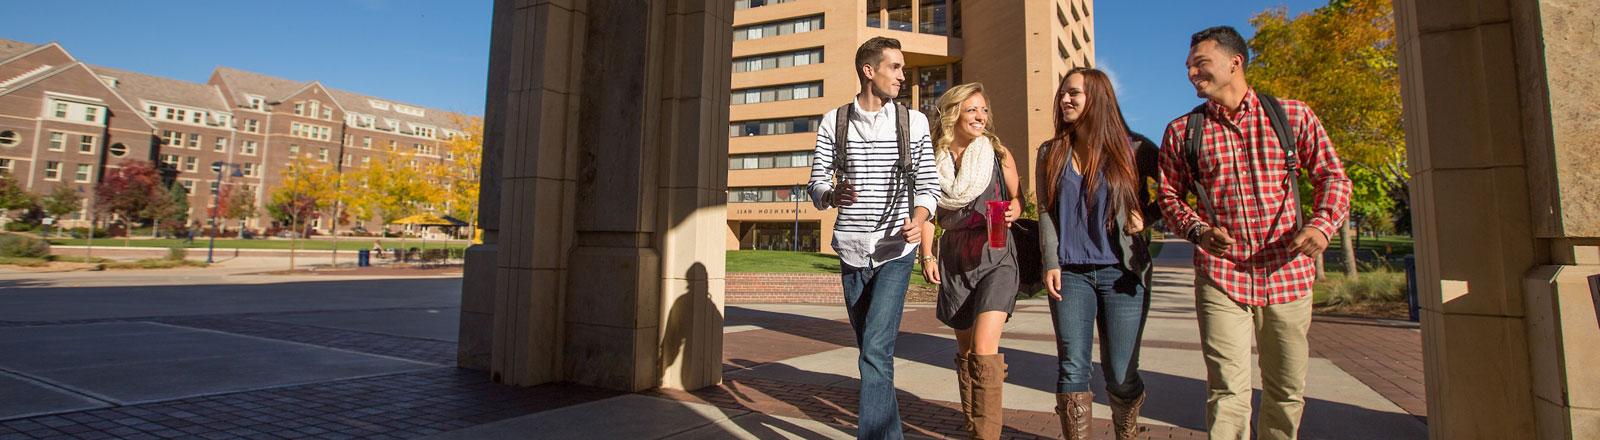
<point>989,376</point>
<point>964,368</point>
<point>1076,411</point>
<point>1125,417</point>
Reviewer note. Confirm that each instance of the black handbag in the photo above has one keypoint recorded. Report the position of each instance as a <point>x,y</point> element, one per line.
<point>1025,234</point>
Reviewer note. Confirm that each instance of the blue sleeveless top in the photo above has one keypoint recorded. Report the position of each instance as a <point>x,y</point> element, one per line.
<point>1079,242</point>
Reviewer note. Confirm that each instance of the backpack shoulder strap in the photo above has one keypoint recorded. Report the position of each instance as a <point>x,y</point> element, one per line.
<point>1280,125</point>
<point>841,138</point>
<point>1195,128</point>
<point>902,132</point>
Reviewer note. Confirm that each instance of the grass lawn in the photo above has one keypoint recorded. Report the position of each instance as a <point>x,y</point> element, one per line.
<point>350,244</point>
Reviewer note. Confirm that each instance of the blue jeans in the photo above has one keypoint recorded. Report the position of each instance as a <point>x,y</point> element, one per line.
<point>875,298</point>
<point>1118,299</point>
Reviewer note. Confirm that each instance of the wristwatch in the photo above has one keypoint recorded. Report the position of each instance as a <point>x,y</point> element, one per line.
<point>1195,232</point>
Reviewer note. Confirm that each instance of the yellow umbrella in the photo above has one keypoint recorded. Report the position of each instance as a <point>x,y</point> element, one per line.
<point>422,220</point>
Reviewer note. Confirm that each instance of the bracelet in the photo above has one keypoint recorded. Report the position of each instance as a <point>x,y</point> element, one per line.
<point>924,258</point>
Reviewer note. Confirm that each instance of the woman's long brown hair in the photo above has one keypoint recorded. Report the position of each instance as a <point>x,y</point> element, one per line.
<point>1099,138</point>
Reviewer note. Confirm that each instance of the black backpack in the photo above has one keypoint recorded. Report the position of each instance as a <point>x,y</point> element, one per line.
<point>902,165</point>
<point>1280,125</point>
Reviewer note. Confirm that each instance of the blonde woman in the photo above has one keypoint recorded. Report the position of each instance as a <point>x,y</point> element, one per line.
<point>977,279</point>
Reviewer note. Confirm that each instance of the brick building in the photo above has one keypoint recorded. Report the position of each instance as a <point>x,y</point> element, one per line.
<point>63,122</point>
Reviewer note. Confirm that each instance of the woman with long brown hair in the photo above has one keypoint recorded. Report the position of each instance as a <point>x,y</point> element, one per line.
<point>976,264</point>
<point>1093,249</point>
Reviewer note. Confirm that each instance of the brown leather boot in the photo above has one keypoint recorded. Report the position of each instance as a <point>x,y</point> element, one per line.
<point>1125,417</point>
<point>1076,411</point>
<point>989,375</point>
<point>964,368</point>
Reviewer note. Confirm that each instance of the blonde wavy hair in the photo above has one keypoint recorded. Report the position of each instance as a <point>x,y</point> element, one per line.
<point>949,111</point>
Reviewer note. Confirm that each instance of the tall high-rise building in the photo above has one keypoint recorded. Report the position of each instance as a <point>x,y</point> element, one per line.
<point>792,62</point>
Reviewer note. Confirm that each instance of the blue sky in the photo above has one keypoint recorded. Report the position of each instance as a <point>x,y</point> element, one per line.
<point>435,53</point>
<point>427,52</point>
<point>1142,45</point>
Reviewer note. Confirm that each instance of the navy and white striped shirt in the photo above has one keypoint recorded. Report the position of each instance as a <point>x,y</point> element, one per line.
<point>872,149</point>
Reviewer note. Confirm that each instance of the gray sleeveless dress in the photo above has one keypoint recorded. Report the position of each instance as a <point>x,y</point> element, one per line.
<point>975,277</point>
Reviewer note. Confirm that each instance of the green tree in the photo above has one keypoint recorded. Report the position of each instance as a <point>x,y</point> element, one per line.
<point>170,210</point>
<point>61,201</point>
<point>1341,59</point>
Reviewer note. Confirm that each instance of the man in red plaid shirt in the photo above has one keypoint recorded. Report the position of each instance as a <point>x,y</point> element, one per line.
<point>1255,267</point>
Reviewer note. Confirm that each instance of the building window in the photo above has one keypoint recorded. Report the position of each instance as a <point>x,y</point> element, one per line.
<point>58,141</point>
<point>256,102</point>
<point>83,174</point>
<point>418,130</point>
<point>153,111</point>
<point>899,12</point>
<point>935,18</point>
<point>322,154</point>
<point>772,126</point>
<point>8,138</point>
<point>5,166</point>
<point>346,160</point>
<point>188,186</point>
<point>747,4</point>
<point>251,125</point>
<point>248,148</point>
<point>249,169</point>
<point>299,108</point>
<point>932,81</point>
<point>294,151</point>
<point>169,137</point>
<point>52,170</point>
<point>768,194</point>
<point>221,146</point>
<point>91,114</point>
<point>118,149</point>
<point>86,144</point>
<point>170,160</point>
<point>793,159</point>
<point>778,60</point>
<point>366,160</point>
<point>194,141</point>
<point>773,29</point>
<point>366,142</point>
<point>61,110</point>
<point>327,113</point>
<point>785,92</point>
<point>393,145</point>
<point>191,163</point>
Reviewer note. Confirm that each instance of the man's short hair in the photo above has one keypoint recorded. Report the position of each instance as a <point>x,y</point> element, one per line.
<point>1226,37</point>
<point>871,52</point>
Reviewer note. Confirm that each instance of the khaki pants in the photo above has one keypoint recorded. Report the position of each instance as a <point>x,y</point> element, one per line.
<point>1226,330</point>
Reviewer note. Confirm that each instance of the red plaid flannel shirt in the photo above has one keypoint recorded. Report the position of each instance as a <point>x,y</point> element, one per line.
<point>1242,169</point>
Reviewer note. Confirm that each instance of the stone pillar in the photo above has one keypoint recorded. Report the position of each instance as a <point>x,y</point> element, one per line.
<point>1499,99</point>
<point>476,332</point>
<point>613,189</point>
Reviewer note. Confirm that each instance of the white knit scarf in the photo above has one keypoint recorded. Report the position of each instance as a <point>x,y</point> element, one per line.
<point>960,188</point>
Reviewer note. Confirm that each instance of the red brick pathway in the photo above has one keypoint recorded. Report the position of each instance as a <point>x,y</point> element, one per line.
<point>781,288</point>
<point>1384,356</point>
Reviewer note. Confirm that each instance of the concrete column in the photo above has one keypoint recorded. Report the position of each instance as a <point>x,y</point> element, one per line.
<point>613,190</point>
<point>1499,98</point>
<point>476,332</point>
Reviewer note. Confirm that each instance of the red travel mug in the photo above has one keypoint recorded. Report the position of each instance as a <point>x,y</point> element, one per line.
<point>997,223</point>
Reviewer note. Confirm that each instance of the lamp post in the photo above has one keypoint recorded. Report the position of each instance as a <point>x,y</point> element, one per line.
<point>216,205</point>
<point>795,241</point>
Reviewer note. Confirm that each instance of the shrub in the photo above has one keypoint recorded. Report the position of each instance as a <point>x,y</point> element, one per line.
<point>13,245</point>
<point>177,253</point>
<point>1380,284</point>
<point>19,227</point>
<point>81,232</point>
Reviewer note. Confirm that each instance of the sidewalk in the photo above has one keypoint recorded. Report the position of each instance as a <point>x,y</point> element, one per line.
<point>790,372</point>
<point>216,354</point>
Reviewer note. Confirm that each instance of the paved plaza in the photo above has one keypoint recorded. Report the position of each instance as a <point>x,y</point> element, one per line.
<point>230,353</point>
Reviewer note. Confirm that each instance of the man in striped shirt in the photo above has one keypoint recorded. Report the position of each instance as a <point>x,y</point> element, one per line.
<point>875,235</point>
<point>1255,268</point>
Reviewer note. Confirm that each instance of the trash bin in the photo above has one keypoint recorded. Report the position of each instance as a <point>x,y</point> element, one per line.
<point>1411,286</point>
<point>363,258</point>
